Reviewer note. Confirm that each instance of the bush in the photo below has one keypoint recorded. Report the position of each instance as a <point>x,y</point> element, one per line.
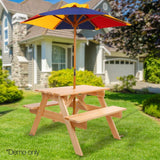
<point>151,106</point>
<point>152,70</point>
<point>127,83</point>
<point>8,91</point>
<point>65,78</point>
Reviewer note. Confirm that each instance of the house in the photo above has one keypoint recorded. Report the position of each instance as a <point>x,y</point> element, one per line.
<point>30,53</point>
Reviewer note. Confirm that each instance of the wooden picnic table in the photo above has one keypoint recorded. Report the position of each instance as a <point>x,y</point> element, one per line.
<point>64,97</point>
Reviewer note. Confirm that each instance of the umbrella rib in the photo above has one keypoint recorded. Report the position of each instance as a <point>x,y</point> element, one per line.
<point>69,21</point>
<point>87,19</point>
<point>62,19</point>
<point>79,18</point>
<point>92,23</point>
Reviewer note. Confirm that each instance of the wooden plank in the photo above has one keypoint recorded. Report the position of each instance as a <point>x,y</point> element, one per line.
<point>34,111</point>
<point>54,116</point>
<point>83,105</point>
<point>92,107</point>
<point>57,117</point>
<point>36,105</point>
<point>80,125</point>
<point>117,115</point>
<point>65,91</point>
<point>102,102</point>
<point>113,127</point>
<point>70,128</point>
<point>69,101</point>
<point>89,115</point>
<point>39,114</point>
<point>100,93</point>
<point>86,107</point>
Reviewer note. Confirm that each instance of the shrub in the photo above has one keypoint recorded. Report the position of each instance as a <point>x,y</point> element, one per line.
<point>151,106</point>
<point>8,91</point>
<point>65,78</point>
<point>127,83</point>
<point>152,70</point>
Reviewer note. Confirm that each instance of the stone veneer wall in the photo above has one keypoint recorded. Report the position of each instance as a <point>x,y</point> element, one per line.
<point>18,68</point>
<point>44,79</point>
<point>23,74</point>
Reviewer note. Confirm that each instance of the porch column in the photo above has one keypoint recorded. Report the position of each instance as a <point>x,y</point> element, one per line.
<point>99,60</point>
<point>46,56</point>
<point>80,56</point>
<point>35,64</point>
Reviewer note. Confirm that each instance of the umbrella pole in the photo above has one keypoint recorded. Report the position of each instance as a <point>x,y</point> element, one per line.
<point>74,79</point>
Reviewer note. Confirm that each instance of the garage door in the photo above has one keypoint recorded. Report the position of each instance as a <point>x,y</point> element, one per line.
<point>118,68</point>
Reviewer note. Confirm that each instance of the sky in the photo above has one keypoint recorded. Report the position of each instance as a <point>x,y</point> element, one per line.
<point>55,1</point>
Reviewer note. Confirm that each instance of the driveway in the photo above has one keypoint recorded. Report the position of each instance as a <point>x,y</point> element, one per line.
<point>152,88</point>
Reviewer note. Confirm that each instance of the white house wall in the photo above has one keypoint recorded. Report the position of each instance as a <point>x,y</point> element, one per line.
<point>80,58</point>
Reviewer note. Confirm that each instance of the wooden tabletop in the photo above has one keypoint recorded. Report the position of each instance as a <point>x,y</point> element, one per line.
<point>64,91</point>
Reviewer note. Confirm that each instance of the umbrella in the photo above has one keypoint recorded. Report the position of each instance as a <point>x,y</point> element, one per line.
<point>74,16</point>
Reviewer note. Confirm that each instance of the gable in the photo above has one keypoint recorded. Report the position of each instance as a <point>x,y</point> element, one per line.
<point>100,5</point>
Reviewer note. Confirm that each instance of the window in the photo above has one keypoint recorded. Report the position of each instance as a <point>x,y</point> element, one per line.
<point>5,22</point>
<point>117,62</point>
<point>6,45</point>
<point>58,58</point>
<point>111,62</point>
<point>122,62</point>
<point>127,62</point>
<point>5,33</point>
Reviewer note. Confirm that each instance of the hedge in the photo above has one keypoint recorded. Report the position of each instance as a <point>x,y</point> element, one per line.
<point>65,78</point>
<point>8,91</point>
<point>151,106</point>
<point>152,70</point>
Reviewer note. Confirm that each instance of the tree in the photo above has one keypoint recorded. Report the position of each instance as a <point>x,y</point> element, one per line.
<point>143,36</point>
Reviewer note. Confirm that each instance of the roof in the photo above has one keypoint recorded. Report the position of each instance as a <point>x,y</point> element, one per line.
<point>30,8</point>
<point>92,3</point>
<point>121,54</point>
<point>33,7</point>
<point>115,53</point>
<point>35,31</point>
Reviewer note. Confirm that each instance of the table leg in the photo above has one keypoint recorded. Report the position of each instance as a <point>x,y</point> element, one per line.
<point>101,99</point>
<point>38,115</point>
<point>70,128</point>
<point>113,127</point>
<point>109,119</point>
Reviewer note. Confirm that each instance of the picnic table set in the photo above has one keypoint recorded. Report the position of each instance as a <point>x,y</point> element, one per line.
<point>63,96</point>
<point>74,16</point>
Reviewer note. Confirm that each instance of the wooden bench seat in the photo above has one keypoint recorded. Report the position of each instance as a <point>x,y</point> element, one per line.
<point>36,105</point>
<point>93,114</point>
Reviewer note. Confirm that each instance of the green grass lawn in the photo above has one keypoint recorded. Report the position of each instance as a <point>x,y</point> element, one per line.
<point>140,141</point>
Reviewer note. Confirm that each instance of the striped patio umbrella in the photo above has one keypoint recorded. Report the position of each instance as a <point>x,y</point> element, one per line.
<point>75,16</point>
